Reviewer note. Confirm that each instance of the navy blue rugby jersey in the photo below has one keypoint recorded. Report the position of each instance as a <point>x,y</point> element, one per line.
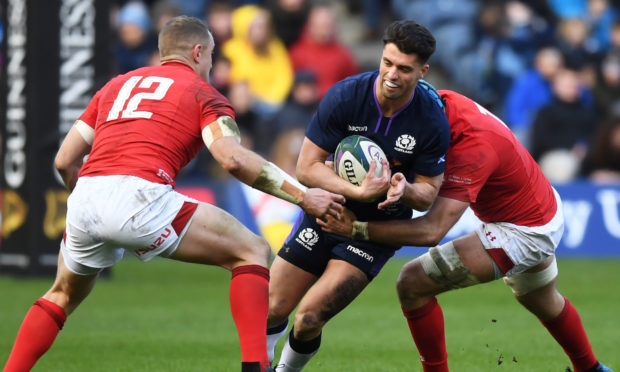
<point>415,140</point>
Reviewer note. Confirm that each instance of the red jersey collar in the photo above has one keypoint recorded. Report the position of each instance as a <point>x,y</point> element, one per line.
<point>176,63</point>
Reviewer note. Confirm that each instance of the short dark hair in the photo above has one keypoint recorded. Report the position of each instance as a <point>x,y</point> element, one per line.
<point>410,37</point>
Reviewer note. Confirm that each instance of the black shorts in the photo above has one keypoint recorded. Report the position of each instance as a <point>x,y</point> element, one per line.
<point>310,248</point>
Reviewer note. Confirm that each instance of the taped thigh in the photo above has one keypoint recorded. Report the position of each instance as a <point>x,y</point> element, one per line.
<point>524,283</point>
<point>445,267</point>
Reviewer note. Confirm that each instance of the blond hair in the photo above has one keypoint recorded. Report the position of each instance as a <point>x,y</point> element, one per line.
<point>180,34</point>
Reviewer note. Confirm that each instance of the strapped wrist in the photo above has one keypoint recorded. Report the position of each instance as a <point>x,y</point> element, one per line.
<point>275,181</point>
<point>360,230</point>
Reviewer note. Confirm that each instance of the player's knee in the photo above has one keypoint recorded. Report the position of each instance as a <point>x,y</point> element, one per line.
<point>524,283</point>
<point>407,282</point>
<point>263,249</point>
<point>278,311</point>
<point>256,251</point>
<point>63,297</point>
<point>307,322</point>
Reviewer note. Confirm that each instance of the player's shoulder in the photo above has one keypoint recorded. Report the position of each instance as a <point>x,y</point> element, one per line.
<point>427,106</point>
<point>427,92</point>
<point>428,101</point>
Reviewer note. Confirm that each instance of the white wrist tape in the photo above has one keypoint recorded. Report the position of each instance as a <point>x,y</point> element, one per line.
<point>276,182</point>
<point>360,230</point>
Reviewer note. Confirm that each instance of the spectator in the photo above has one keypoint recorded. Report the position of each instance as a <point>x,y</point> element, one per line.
<point>602,162</point>
<point>220,74</point>
<point>259,58</point>
<point>285,151</point>
<point>289,17</point>
<point>193,8</point>
<point>301,104</point>
<point>241,99</point>
<point>565,9</point>
<point>453,22</point>
<point>510,34</point>
<point>162,11</point>
<point>600,18</point>
<point>531,91</point>
<point>566,122</point>
<point>219,19</point>
<point>296,113</point>
<point>560,165</point>
<point>372,13</point>
<point>136,41</point>
<point>572,34</point>
<point>607,88</point>
<point>318,50</point>
<point>614,38</point>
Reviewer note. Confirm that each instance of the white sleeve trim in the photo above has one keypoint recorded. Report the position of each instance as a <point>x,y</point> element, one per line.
<point>85,131</point>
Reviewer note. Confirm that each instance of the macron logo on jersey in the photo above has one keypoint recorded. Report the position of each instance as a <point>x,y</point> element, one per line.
<point>441,160</point>
<point>357,128</point>
<point>360,253</point>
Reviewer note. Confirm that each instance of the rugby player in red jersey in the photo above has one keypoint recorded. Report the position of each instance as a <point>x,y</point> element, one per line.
<point>488,170</point>
<point>140,129</point>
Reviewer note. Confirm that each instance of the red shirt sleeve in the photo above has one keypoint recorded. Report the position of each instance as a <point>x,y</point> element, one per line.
<point>89,116</point>
<point>212,106</point>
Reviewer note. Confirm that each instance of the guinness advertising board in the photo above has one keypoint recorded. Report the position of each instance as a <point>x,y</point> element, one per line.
<point>55,54</point>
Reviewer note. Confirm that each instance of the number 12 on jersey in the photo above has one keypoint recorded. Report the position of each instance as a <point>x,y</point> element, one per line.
<point>125,93</point>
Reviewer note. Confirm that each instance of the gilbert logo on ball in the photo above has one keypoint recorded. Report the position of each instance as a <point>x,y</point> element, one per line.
<point>353,156</point>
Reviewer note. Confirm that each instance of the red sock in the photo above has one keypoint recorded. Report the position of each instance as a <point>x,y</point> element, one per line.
<point>568,331</point>
<point>249,303</point>
<point>36,334</point>
<point>427,329</point>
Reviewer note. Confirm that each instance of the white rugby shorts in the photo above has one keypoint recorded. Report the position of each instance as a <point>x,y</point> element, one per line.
<point>517,248</point>
<point>107,215</point>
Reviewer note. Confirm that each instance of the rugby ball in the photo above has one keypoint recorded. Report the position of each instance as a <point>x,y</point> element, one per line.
<point>353,156</point>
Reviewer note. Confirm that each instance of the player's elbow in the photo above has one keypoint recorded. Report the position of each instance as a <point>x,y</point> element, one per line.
<point>231,156</point>
<point>233,165</point>
<point>420,205</point>
<point>435,234</point>
<point>62,163</point>
<point>424,205</point>
<point>302,176</point>
<point>433,239</point>
<point>303,172</point>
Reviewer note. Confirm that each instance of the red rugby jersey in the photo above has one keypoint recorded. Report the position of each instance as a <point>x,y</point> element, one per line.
<point>148,123</point>
<point>487,167</point>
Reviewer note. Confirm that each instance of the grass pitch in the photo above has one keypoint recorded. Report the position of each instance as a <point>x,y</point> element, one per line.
<point>171,316</point>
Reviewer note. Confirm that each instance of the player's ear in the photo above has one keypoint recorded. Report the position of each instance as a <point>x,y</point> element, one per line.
<point>423,71</point>
<point>197,50</point>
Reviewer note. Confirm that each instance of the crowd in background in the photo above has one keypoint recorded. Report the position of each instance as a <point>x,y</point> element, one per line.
<point>550,69</point>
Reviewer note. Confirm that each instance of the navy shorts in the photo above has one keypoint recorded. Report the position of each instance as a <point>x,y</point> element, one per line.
<point>310,248</point>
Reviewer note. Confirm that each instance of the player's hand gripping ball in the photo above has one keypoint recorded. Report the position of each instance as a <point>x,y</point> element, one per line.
<point>353,156</point>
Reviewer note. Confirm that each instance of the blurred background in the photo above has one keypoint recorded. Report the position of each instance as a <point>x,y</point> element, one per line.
<point>550,69</point>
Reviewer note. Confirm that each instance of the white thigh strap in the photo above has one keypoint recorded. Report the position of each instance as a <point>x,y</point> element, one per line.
<point>523,283</point>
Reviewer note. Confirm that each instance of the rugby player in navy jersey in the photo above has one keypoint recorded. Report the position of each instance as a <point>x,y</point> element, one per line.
<point>323,272</point>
